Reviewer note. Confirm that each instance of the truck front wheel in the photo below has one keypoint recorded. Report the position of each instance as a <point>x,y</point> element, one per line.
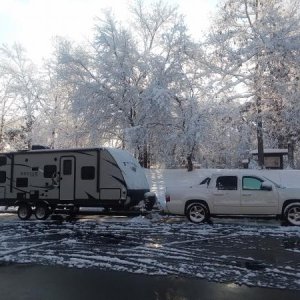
<point>197,213</point>
<point>24,211</point>
<point>292,214</point>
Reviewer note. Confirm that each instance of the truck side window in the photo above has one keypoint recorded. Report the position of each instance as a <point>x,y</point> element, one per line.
<point>227,183</point>
<point>2,176</point>
<point>251,183</point>
<point>67,167</point>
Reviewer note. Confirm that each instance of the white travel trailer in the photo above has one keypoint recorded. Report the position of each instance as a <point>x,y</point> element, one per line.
<point>41,180</point>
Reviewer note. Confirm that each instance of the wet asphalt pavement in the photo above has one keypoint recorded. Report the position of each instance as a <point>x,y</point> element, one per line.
<point>32,282</point>
<point>141,258</point>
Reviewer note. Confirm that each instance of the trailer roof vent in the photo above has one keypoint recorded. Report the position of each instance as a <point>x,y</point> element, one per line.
<point>39,147</point>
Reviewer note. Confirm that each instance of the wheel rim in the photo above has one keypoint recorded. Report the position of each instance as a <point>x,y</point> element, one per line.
<point>40,212</point>
<point>293,215</point>
<point>23,212</point>
<point>197,213</point>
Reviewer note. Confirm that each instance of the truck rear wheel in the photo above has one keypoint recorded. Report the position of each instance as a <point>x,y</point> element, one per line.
<point>197,212</point>
<point>41,212</point>
<point>24,211</point>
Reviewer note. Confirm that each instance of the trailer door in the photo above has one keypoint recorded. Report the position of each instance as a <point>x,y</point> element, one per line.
<point>67,178</point>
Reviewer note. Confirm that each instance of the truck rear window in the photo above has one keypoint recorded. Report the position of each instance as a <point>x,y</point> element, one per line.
<point>226,183</point>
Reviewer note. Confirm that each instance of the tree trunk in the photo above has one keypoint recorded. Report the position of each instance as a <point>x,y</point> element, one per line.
<point>190,166</point>
<point>291,155</point>
<point>144,156</point>
<point>2,132</point>
<point>260,143</point>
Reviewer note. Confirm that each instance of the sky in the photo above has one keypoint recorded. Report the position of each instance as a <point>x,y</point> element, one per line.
<point>34,23</point>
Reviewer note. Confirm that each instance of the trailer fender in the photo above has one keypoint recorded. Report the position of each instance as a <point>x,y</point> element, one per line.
<point>19,202</point>
<point>42,202</point>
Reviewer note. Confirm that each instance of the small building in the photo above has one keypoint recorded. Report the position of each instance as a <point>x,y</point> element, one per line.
<point>273,158</point>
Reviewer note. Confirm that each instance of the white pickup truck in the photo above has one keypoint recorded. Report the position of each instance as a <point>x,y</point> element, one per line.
<point>236,192</point>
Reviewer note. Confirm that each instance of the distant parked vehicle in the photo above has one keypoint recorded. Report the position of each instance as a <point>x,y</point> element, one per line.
<point>228,193</point>
<point>43,180</point>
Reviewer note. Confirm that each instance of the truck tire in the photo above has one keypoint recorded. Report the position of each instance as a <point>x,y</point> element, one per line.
<point>292,214</point>
<point>24,211</point>
<point>197,212</point>
<point>41,212</point>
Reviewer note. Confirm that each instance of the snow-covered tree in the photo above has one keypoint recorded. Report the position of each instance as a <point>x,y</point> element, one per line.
<point>252,48</point>
<point>139,87</point>
<point>24,88</point>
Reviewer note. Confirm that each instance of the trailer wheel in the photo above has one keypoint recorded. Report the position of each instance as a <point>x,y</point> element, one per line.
<point>41,212</point>
<point>24,211</point>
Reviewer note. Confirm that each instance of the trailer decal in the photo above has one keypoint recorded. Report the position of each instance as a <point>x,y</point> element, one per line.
<point>112,163</point>
<point>120,180</point>
<point>90,197</point>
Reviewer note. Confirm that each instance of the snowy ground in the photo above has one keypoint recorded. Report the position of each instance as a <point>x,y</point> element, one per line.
<point>250,252</point>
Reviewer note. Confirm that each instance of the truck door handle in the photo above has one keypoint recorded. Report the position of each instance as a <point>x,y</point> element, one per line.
<point>218,194</point>
<point>246,194</point>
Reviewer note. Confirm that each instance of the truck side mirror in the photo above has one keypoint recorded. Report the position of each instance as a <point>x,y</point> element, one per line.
<point>265,186</point>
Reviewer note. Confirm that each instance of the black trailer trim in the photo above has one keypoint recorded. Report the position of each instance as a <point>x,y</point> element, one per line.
<point>22,165</point>
<point>120,180</point>
<point>12,172</point>
<point>90,196</point>
<point>135,195</point>
<point>98,170</point>
<point>112,163</point>
<point>75,150</point>
<point>84,153</point>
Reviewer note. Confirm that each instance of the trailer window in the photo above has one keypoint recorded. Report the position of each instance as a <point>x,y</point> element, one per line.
<point>3,160</point>
<point>50,171</point>
<point>2,176</point>
<point>88,173</point>
<point>67,167</point>
<point>22,182</point>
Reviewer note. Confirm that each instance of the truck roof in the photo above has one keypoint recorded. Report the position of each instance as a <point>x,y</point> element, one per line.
<point>232,172</point>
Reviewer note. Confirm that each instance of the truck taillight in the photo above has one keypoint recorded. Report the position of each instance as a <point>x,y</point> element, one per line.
<point>168,198</point>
